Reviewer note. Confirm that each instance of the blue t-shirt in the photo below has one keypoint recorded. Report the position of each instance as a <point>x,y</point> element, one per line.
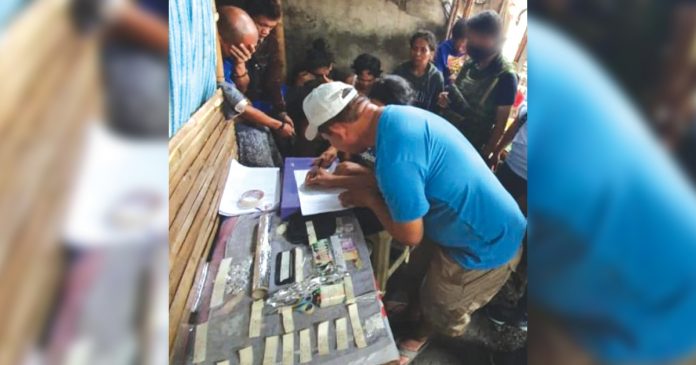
<point>228,68</point>
<point>427,169</point>
<point>612,236</point>
<point>444,50</point>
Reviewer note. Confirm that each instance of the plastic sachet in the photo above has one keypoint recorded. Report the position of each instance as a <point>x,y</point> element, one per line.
<point>299,291</point>
<point>237,280</point>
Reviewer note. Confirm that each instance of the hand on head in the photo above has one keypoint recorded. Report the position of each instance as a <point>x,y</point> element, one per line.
<point>242,52</point>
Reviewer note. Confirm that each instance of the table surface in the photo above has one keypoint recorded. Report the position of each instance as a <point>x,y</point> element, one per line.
<point>228,324</point>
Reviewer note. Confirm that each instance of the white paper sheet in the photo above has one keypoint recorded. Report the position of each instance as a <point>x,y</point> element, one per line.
<point>316,200</point>
<point>120,192</point>
<point>241,179</point>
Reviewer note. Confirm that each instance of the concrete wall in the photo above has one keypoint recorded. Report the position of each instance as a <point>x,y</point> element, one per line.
<point>352,27</point>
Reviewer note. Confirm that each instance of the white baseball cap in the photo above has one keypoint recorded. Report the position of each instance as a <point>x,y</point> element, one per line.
<point>324,103</point>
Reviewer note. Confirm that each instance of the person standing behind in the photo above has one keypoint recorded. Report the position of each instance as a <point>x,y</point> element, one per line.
<point>367,69</point>
<point>256,146</point>
<point>265,66</point>
<point>451,54</point>
<point>318,64</point>
<point>480,100</point>
<point>425,79</point>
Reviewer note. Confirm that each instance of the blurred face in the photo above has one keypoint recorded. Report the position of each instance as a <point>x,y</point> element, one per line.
<point>482,46</point>
<point>460,45</point>
<point>364,81</point>
<point>421,53</point>
<point>265,26</point>
<point>322,71</point>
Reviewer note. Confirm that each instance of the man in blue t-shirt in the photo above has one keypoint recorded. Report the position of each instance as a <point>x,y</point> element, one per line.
<point>435,191</point>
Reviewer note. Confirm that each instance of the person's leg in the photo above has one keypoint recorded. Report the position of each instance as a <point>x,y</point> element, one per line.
<point>402,297</point>
<point>256,147</point>
<point>451,293</point>
<point>415,272</point>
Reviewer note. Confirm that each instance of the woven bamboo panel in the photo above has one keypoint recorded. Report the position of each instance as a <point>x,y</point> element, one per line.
<point>50,87</point>
<point>199,159</point>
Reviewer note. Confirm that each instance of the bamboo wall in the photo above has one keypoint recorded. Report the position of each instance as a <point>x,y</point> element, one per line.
<point>199,159</point>
<point>49,88</point>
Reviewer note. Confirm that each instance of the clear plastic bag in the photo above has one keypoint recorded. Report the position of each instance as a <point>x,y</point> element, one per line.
<point>297,292</point>
<point>237,280</point>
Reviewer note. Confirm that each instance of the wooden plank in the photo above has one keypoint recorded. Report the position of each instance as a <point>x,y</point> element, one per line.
<point>468,9</point>
<point>182,241</point>
<point>454,12</point>
<point>176,198</point>
<point>182,303</point>
<point>181,299</point>
<point>38,145</point>
<point>53,141</point>
<point>181,158</point>
<point>191,221</point>
<point>28,281</point>
<point>192,126</point>
<point>27,150</point>
<point>181,293</point>
<point>41,182</point>
<point>22,70</point>
<point>522,47</point>
<point>182,221</point>
<point>182,246</point>
<point>20,119</point>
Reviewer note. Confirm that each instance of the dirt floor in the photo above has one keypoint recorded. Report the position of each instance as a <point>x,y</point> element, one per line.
<point>476,348</point>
